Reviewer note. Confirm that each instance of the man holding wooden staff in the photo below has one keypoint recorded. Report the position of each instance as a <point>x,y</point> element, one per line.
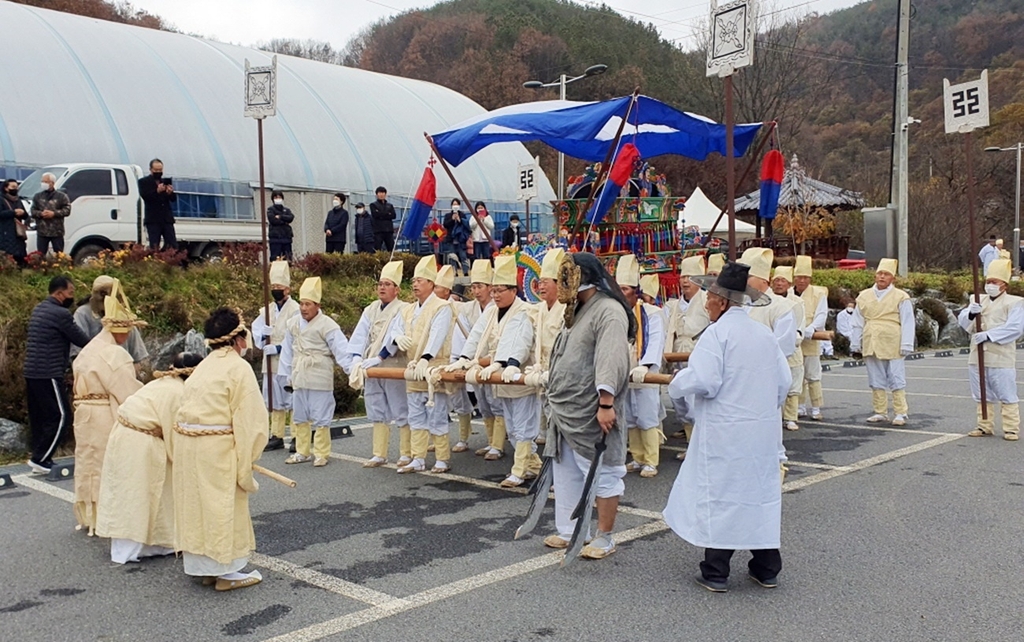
<point>269,338</point>
<point>883,331</point>
<point>220,434</point>
<point>815,298</point>
<point>687,318</point>
<point>550,318</point>
<point>1002,323</point>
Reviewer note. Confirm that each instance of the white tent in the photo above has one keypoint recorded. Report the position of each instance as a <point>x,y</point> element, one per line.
<point>700,211</point>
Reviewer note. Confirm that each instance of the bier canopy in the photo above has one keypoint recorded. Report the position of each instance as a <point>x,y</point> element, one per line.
<point>586,130</point>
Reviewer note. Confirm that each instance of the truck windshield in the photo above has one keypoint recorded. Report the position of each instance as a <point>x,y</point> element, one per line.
<point>30,186</point>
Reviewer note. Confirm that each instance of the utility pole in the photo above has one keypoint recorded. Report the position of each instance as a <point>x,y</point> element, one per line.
<point>898,187</point>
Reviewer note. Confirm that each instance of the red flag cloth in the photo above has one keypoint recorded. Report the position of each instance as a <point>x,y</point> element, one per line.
<point>422,204</point>
<point>618,176</point>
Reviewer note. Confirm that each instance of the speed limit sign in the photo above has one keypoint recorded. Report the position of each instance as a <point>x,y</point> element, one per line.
<point>966,105</point>
<point>527,182</point>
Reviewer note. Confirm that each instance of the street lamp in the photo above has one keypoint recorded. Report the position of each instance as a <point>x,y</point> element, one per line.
<point>1016,203</point>
<point>563,80</point>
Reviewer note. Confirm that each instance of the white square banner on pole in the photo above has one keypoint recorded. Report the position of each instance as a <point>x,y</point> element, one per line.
<point>261,90</point>
<point>966,105</point>
<point>732,37</point>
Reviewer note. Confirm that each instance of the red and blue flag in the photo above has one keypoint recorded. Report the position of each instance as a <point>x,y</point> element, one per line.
<point>622,168</point>
<point>771,184</point>
<point>422,204</point>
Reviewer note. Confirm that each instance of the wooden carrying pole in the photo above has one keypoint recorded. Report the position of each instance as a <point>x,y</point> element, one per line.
<point>278,477</point>
<point>460,377</point>
<point>968,144</point>
<point>266,265</point>
<point>458,188</point>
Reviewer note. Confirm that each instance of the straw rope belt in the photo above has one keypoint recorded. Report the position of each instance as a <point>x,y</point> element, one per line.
<point>94,398</point>
<point>201,430</point>
<point>155,431</point>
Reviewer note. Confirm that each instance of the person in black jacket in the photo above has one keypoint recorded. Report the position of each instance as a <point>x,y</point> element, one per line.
<point>364,230</point>
<point>383,215</point>
<point>456,222</point>
<point>515,234</point>
<point>336,225</point>
<point>51,331</point>
<point>280,220</point>
<point>12,212</point>
<point>158,194</point>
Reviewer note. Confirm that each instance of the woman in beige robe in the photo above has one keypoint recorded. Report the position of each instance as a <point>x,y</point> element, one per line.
<point>136,507</point>
<point>104,379</point>
<point>220,432</point>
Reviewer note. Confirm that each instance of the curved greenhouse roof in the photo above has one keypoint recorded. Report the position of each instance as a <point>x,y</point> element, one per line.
<point>83,90</point>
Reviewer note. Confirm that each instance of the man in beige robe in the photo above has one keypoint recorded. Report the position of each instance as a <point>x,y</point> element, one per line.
<point>550,319</point>
<point>104,379</point>
<point>136,508</point>
<point>219,433</point>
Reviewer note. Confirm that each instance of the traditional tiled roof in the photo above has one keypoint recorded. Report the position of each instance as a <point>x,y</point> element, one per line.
<point>800,189</point>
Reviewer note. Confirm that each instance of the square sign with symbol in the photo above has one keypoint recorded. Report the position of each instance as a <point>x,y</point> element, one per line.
<point>732,38</point>
<point>528,187</point>
<point>966,105</point>
<point>261,90</point>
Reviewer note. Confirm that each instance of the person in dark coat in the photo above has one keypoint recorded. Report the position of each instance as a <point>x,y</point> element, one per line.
<point>336,225</point>
<point>456,223</point>
<point>364,230</point>
<point>280,220</point>
<point>158,194</point>
<point>11,213</point>
<point>51,331</point>
<point>49,208</point>
<point>383,215</point>
<point>515,234</point>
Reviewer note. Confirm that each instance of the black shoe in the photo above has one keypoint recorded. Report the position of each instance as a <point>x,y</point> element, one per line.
<point>274,443</point>
<point>711,585</point>
<point>772,582</point>
<point>291,448</point>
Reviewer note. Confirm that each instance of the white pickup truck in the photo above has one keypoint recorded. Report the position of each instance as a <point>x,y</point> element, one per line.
<point>107,212</point>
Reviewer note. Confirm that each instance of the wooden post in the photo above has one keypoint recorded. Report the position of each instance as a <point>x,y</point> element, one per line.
<point>730,168</point>
<point>968,144</point>
<point>266,265</point>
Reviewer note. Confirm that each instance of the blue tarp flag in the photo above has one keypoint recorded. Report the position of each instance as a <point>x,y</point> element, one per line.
<point>586,130</point>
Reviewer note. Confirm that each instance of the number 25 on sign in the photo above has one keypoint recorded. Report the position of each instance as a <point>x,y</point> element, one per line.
<point>966,105</point>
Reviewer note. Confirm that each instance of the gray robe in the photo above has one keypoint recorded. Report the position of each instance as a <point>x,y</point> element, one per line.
<point>593,353</point>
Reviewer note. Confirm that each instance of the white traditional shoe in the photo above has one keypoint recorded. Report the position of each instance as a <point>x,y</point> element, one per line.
<point>791,425</point>
<point>298,459</point>
<point>374,462</point>
<point>816,414</point>
<point>460,447</point>
<point>648,471</point>
<point>403,461</point>
<point>493,454</point>
<point>414,466</point>
<point>556,541</point>
<point>634,467</point>
<point>899,420</point>
<point>801,411</point>
<point>440,467</point>
<point>320,461</point>
<point>512,481</point>
<point>599,548</point>
<point>877,419</point>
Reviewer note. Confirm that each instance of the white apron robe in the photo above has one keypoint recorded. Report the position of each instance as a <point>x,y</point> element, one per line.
<point>271,347</point>
<point>728,493</point>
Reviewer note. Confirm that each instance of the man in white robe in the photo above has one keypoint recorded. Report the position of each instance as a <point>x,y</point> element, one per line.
<point>461,400</point>
<point>1002,323</point>
<point>312,345</point>
<point>550,318</point>
<point>728,494</point>
<point>687,318</point>
<point>781,284</point>
<point>815,299</point>
<point>269,338</point>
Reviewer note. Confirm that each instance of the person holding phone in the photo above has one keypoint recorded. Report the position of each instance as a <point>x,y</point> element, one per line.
<point>157,193</point>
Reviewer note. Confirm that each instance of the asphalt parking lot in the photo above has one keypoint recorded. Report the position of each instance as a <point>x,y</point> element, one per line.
<point>907,534</point>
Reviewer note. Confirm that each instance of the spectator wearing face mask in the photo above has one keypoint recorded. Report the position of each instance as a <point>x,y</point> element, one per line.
<point>158,194</point>
<point>49,208</point>
<point>844,319</point>
<point>383,215</point>
<point>336,225</point>
<point>280,220</point>
<point>515,234</point>
<point>482,248</point>
<point>12,222</point>
<point>364,230</point>
<point>456,223</point>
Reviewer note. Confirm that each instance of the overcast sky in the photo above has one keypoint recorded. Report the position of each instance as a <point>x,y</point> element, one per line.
<point>247,22</point>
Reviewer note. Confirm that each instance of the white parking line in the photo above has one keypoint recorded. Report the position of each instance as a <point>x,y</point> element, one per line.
<point>35,483</point>
<point>802,464</point>
<point>908,431</point>
<point>909,394</point>
<point>322,580</point>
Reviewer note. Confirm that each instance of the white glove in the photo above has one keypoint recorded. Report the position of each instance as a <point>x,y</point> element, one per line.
<point>462,364</point>
<point>974,308</point>
<point>420,373</point>
<point>372,362</point>
<point>356,360</point>
<point>537,378</point>
<point>980,338</point>
<point>271,350</point>
<point>357,377</point>
<point>510,374</point>
<point>404,342</point>
<point>637,374</point>
<point>485,373</point>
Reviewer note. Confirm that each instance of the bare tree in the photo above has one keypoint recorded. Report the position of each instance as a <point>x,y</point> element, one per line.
<point>318,50</point>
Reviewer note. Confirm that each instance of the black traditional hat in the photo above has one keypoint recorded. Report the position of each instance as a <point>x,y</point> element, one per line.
<point>731,284</point>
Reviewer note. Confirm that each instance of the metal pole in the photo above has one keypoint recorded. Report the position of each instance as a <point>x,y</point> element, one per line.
<point>968,144</point>
<point>527,218</point>
<point>561,156</point>
<point>1016,216</point>
<point>266,262</point>
<point>901,132</point>
<point>730,168</point>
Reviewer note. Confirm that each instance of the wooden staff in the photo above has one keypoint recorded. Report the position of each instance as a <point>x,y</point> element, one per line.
<point>968,143</point>
<point>677,357</point>
<point>278,477</point>
<point>460,377</point>
<point>823,335</point>
<point>458,188</point>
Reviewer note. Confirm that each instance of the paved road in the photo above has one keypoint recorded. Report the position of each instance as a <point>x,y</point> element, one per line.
<point>888,534</point>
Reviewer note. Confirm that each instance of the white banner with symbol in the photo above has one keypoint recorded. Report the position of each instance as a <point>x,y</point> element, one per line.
<point>261,90</point>
<point>966,105</point>
<point>527,182</point>
<point>732,37</point>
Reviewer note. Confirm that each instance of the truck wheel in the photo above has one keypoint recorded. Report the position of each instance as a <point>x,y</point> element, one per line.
<point>88,254</point>
<point>213,253</point>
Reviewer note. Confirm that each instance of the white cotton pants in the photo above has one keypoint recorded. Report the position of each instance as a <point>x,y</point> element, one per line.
<point>570,472</point>
<point>459,403</point>
<point>886,374</point>
<point>812,368</point>
<point>643,408</point>
<point>123,551</point>
<point>386,401</point>
<point>522,418</point>
<point>487,402</point>
<point>797,385</point>
<point>1000,384</point>
<point>282,399</point>
<point>203,566</point>
<point>433,419</point>
<point>315,407</point>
